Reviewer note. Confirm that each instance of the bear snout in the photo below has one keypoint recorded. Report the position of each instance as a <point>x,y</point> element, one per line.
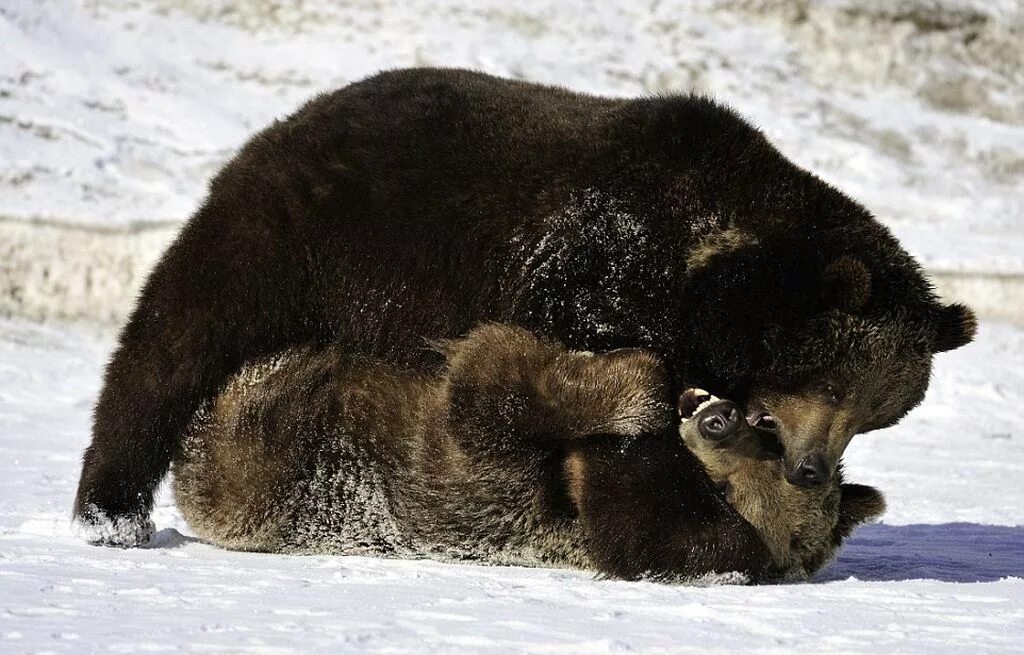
<point>719,420</point>
<point>812,471</point>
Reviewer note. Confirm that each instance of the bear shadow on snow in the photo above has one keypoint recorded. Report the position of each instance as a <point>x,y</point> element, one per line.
<point>947,552</point>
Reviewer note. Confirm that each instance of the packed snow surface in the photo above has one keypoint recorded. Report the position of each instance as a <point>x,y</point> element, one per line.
<point>944,572</point>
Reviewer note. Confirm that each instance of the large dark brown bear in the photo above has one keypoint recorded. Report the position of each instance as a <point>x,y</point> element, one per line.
<point>518,452</point>
<point>417,203</point>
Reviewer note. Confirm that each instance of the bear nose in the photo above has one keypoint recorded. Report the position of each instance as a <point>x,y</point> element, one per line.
<point>719,421</point>
<point>812,471</point>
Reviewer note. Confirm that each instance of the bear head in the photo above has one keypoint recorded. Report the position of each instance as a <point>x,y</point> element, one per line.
<point>819,335</point>
<point>802,527</point>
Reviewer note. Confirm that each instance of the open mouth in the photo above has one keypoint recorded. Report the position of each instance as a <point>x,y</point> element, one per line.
<point>766,433</point>
<point>692,401</point>
<point>762,421</point>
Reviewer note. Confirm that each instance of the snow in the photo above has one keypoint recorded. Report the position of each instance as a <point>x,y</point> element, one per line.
<point>943,573</point>
<point>115,113</point>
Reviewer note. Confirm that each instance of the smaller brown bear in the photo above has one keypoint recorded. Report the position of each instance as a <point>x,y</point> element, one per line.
<point>519,451</point>
<point>802,526</point>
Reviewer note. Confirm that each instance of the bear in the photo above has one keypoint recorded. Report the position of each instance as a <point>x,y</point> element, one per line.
<point>802,527</point>
<point>491,461</point>
<point>415,204</point>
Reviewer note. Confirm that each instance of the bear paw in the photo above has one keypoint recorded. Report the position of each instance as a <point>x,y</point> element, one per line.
<point>94,526</point>
<point>622,392</point>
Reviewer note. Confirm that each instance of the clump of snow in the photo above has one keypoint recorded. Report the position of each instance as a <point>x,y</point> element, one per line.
<point>103,530</point>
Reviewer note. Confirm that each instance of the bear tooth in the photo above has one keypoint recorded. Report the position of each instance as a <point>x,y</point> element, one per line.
<point>704,405</point>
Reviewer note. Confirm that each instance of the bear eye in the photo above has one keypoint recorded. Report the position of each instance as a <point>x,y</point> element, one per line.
<point>832,394</point>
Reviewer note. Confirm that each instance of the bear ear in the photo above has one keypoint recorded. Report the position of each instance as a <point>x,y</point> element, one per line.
<point>846,285</point>
<point>857,503</point>
<point>955,326</point>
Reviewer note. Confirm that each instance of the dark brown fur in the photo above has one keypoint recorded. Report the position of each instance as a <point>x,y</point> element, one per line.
<point>415,204</point>
<point>519,452</point>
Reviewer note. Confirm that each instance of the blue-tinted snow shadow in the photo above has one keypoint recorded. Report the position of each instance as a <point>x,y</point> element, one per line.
<point>171,538</point>
<point>949,552</point>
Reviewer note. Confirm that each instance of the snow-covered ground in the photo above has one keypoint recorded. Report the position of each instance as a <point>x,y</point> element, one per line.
<point>943,573</point>
<point>114,113</point>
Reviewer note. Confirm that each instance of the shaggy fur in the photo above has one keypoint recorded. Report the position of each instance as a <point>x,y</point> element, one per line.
<point>502,458</point>
<point>417,203</point>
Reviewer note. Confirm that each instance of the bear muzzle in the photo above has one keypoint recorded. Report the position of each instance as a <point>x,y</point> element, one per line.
<point>716,419</point>
<point>812,471</point>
